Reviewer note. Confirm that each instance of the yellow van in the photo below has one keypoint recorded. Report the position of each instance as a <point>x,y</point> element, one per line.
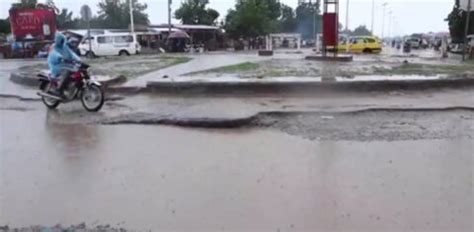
<point>362,44</point>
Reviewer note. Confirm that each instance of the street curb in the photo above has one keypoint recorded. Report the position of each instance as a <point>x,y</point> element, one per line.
<point>115,81</point>
<point>305,87</point>
<point>330,58</point>
<point>198,122</point>
<point>3,95</point>
<point>32,80</point>
<point>24,79</point>
<point>249,120</point>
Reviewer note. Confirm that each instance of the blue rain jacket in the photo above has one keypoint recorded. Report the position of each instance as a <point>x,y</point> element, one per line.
<point>61,56</point>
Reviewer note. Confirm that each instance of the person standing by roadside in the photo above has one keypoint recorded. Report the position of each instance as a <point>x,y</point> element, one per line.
<point>444,47</point>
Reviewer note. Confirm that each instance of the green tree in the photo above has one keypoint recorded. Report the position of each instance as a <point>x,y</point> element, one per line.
<point>195,12</point>
<point>273,8</point>
<point>253,18</point>
<point>4,26</point>
<point>64,20</point>
<point>457,23</point>
<point>308,19</point>
<point>116,14</point>
<point>287,19</point>
<point>25,4</point>
<point>361,30</point>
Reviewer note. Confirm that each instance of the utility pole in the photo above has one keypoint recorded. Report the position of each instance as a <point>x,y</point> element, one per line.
<point>383,19</point>
<point>132,23</point>
<point>169,17</point>
<point>86,15</point>
<point>389,23</point>
<point>468,18</point>
<point>347,25</point>
<point>373,13</point>
<point>314,24</point>
<point>347,15</point>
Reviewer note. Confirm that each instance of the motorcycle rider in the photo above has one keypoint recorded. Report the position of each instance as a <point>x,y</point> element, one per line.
<point>61,62</point>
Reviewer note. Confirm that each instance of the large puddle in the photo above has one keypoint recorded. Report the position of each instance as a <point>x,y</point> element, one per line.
<point>165,178</point>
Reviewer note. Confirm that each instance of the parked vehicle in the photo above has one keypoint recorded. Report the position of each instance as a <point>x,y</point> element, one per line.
<point>458,48</point>
<point>415,43</point>
<point>79,86</point>
<point>110,45</point>
<point>362,44</point>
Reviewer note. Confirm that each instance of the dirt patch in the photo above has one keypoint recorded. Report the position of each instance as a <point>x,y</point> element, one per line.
<point>291,67</point>
<point>374,125</point>
<point>365,125</point>
<point>427,70</point>
<point>304,68</point>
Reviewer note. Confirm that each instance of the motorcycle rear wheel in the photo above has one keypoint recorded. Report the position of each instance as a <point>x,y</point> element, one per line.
<point>49,102</point>
<point>92,98</point>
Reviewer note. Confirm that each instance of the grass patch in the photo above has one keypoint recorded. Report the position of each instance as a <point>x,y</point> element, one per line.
<point>246,66</point>
<point>178,60</point>
<point>242,67</point>
<point>150,66</point>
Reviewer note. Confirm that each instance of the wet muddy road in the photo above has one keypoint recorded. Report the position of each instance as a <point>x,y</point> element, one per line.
<point>164,178</point>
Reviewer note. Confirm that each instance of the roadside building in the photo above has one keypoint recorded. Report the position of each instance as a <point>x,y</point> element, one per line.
<point>210,37</point>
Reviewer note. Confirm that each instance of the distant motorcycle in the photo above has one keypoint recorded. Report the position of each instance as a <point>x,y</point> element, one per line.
<point>78,86</point>
<point>407,47</point>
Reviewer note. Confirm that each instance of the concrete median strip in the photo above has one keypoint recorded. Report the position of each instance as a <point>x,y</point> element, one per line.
<point>24,79</point>
<point>305,84</point>
<point>32,80</point>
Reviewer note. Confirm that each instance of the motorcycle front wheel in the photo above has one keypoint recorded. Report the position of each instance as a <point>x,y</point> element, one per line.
<point>92,98</point>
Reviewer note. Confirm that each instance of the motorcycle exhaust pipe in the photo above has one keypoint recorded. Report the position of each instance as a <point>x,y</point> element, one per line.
<point>43,94</point>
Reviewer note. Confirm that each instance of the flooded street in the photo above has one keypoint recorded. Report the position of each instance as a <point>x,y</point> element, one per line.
<point>382,160</point>
<point>238,116</point>
<point>9,88</point>
<point>162,178</point>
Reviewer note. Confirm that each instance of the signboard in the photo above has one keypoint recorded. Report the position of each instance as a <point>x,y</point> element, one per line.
<point>33,24</point>
<point>464,4</point>
<point>330,29</point>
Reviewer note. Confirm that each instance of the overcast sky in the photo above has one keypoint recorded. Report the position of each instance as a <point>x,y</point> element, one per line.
<point>409,16</point>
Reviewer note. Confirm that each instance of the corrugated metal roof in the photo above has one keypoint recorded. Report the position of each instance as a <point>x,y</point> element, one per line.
<point>187,26</point>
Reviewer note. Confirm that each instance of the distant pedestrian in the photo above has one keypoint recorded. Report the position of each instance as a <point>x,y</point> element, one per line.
<point>444,47</point>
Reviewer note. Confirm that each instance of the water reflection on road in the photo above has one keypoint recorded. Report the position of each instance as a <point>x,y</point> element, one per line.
<point>168,178</point>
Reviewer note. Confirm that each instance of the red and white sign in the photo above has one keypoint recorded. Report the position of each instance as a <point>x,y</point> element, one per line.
<point>33,24</point>
<point>330,29</point>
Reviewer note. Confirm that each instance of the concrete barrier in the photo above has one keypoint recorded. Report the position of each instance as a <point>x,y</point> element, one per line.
<point>24,79</point>
<point>265,52</point>
<point>339,58</point>
<point>27,79</point>
<point>199,87</point>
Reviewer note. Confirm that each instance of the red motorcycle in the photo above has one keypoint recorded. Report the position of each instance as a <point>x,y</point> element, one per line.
<point>79,85</point>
